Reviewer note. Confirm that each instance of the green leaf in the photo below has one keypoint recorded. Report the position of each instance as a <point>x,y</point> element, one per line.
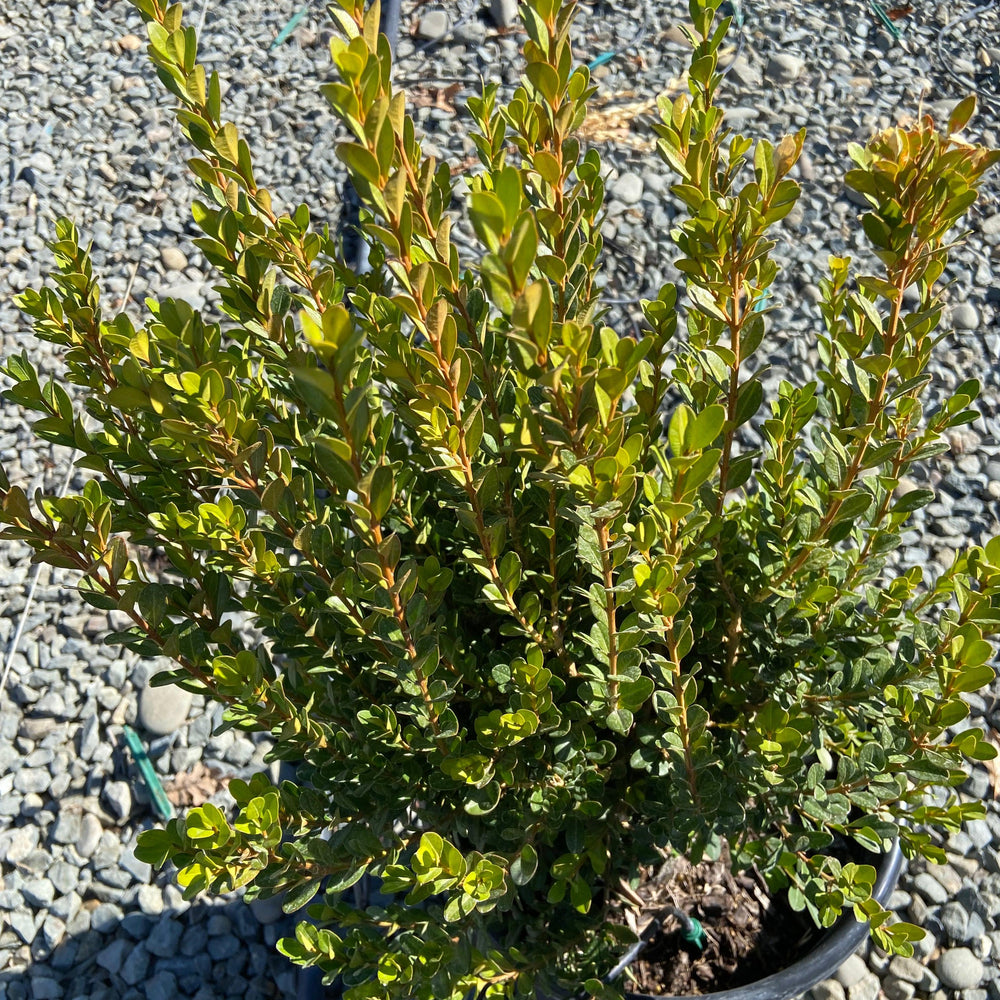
<point>854,506</point>
<point>972,679</point>
<point>678,431</point>
<point>751,395</point>
<point>706,427</point>
<point>510,192</point>
<point>961,113</point>
<point>913,500</point>
<point>521,249</point>
<point>359,161</point>
<point>546,165</point>
<point>619,720</point>
<point>382,491</point>
<point>299,894</point>
<point>524,866</point>
<point>227,143</point>
<point>545,78</point>
<point>153,847</point>
<point>318,389</point>
<point>486,213</point>
<point>270,499</point>
<point>634,694</point>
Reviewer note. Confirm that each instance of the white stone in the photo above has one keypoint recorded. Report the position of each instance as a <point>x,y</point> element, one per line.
<point>964,316</point>
<point>18,843</point>
<point>784,67</point>
<point>117,796</point>
<point>433,25</point>
<point>627,188</point>
<point>173,259</point>
<point>150,900</point>
<point>39,892</point>
<point>162,710</point>
<point>504,13</point>
<point>90,835</point>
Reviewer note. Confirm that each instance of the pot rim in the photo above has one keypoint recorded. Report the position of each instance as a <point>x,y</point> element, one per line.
<point>833,949</point>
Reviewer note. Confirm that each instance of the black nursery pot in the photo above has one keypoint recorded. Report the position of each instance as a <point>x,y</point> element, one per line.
<point>823,961</point>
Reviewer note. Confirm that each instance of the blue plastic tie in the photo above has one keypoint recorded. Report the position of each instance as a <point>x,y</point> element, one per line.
<point>604,57</point>
<point>287,30</point>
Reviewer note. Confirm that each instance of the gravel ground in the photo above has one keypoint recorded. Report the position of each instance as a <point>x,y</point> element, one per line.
<point>85,131</point>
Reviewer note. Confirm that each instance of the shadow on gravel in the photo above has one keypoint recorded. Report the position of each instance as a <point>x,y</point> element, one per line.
<point>206,952</point>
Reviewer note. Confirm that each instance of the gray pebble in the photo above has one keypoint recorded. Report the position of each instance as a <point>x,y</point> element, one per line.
<point>89,737</point>
<point>979,831</point>
<point>946,877</point>
<point>31,779</point>
<point>113,956</point>
<point>851,972</point>
<point>173,259</point>
<point>964,316</point>
<point>45,988</point>
<point>218,923</point>
<point>955,921</point>
<point>223,947</point>
<point>163,986</point>
<point>907,970</point>
<point>784,67</point>
<point>433,25</point>
<point>24,924</point>
<point>504,13</point>
<point>53,930</point>
<point>66,906</point>
<point>866,988</point>
<point>64,876</point>
<point>164,937</point>
<point>268,911</point>
<point>141,871</point>
<point>959,969</point>
<point>18,843</point>
<point>930,888</point>
<point>136,925</point>
<point>117,796</point>
<point>68,828</point>
<point>627,188</point>
<point>106,917</point>
<point>898,989</point>
<point>90,835</point>
<point>39,892</point>
<point>163,709</point>
<point>136,965</point>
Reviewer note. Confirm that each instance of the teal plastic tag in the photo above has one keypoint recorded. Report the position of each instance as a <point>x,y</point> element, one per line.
<point>694,933</point>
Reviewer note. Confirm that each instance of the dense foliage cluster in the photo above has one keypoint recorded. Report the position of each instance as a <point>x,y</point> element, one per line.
<point>535,610</point>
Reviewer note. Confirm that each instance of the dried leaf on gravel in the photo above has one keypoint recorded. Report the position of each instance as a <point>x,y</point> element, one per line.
<point>194,787</point>
<point>613,122</point>
<point>434,97</point>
